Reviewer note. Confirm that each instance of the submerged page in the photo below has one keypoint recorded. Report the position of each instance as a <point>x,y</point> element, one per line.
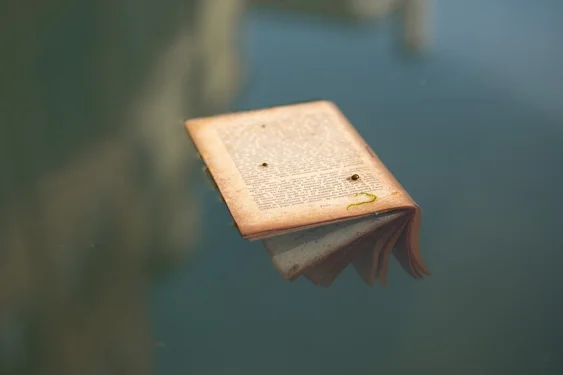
<point>293,253</point>
<point>325,273</point>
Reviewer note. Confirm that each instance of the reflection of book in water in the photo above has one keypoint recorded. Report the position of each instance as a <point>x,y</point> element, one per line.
<point>301,179</point>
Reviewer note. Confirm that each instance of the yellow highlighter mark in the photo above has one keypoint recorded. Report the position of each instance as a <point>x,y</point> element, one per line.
<point>372,199</point>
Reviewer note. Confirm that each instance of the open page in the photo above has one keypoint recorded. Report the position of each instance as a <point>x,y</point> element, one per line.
<point>293,167</point>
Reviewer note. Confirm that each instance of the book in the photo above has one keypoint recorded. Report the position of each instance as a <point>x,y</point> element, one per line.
<point>302,180</point>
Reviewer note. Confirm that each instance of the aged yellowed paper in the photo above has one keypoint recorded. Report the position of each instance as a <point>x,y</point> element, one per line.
<point>290,167</point>
<point>295,176</point>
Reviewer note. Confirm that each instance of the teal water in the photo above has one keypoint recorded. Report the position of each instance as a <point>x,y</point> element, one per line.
<point>474,132</point>
<point>117,258</point>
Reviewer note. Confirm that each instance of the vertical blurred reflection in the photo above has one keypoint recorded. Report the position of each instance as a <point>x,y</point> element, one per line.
<point>414,14</point>
<point>95,191</point>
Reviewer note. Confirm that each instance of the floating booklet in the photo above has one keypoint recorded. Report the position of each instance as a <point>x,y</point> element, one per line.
<point>302,180</point>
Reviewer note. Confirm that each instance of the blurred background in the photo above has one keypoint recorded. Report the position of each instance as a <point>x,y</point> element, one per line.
<point>117,258</point>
